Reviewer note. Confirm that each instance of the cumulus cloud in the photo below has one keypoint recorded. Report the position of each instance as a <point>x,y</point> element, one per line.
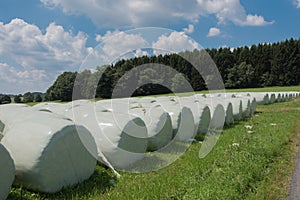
<point>174,42</point>
<point>213,32</point>
<point>129,13</point>
<point>29,47</point>
<point>115,44</point>
<point>37,56</point>
<point>190,29</point>
<point>13,79</point>
<point>231,10</point>
<point>136,13</point>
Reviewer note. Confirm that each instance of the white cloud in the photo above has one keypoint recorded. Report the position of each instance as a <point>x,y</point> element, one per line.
<point>115,44</point>
<point>136,13</point>
<point>175,42</point>
<point>129,13</point>
<point>297,2</point>
<point>36,55</point>
<point>213,32</point>
<point>14,80</point>
<point>29,47</point>
<point>254,20</point>
<point>140,52</point>
<point>190,29</point>
<point>98,38</point>
<point>231,10</point>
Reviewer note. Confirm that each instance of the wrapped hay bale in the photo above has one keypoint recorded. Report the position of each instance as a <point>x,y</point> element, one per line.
<point>253,106</point>
<point>200,111</point>
<point>237,109</point>
<point>262,98</point>
<point>224,100</point>
<point>158,123</point>
<point>121,138</point>
<point>229,119</point>
<point>218,117</point>
<point>272,98</point>
<point>49,151</point>
<point>182,119</point>
<point>246,104</point>
<point>56,108</point>
<point>7,172</point>
<point>2,125</point>
<point>10,113</point>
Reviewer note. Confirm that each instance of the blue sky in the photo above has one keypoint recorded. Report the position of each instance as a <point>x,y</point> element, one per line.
<point>39,39</point>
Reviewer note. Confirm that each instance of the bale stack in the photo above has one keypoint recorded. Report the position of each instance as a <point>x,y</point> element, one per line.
<point>50,151</point>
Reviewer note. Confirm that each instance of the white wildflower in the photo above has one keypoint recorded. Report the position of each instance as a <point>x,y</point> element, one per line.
<point>235,144</point>
<point>248,127</point>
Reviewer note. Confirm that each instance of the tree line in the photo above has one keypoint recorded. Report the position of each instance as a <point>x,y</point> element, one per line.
<point>25,98</point>
<point>276,64</point>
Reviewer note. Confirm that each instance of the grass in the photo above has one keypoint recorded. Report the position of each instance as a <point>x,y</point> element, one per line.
<point>259,167</point>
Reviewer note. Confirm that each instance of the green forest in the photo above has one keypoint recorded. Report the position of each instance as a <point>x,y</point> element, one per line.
<point>276,64</point>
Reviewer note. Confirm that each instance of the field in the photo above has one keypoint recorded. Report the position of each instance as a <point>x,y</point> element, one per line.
<point>246,163</point>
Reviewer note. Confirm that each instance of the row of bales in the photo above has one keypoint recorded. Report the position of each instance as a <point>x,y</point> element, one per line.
<point>51,146</point>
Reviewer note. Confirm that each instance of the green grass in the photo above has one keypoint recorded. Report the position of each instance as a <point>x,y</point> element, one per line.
<point>247,171</point>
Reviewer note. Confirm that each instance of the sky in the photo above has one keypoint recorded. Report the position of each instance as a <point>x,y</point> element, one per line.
<point>40,39</point>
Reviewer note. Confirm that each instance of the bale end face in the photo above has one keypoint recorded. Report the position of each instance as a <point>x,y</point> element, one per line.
<point>60,159</point>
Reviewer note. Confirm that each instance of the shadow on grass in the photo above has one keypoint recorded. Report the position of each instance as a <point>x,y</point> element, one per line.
<point>159,159</point>
<point>98,183</point>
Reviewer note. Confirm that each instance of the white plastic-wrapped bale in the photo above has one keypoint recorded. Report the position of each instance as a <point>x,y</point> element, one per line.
<point>253,106</point>
<point>246,104</point>
<point>262,98</point>
<point>121,138</point>
<point>10,113</point>
<point>224,100</point>
<point>128,134</point>
<point>229,119</point>
<point>237,109</point>
<point>56,108</point>
<point>158,123</point>
<point>279,98</point>
<point>201,113</point>
<point>218,117</point>
<point>7,172</point>
<point>203,120</point>
<point>182,120</point>
<point>272,98</point>
<point>146,100</point>
<point>217,110</point>
<point>49,151</point>
<point>2,125</point>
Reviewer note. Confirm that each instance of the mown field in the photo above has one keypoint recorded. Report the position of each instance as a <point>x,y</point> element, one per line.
<point>254,163</point>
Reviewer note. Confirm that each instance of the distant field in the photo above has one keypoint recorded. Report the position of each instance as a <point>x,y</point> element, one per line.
<point>268,89</point>
<point>258,166</point>
<point>265,89</point>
